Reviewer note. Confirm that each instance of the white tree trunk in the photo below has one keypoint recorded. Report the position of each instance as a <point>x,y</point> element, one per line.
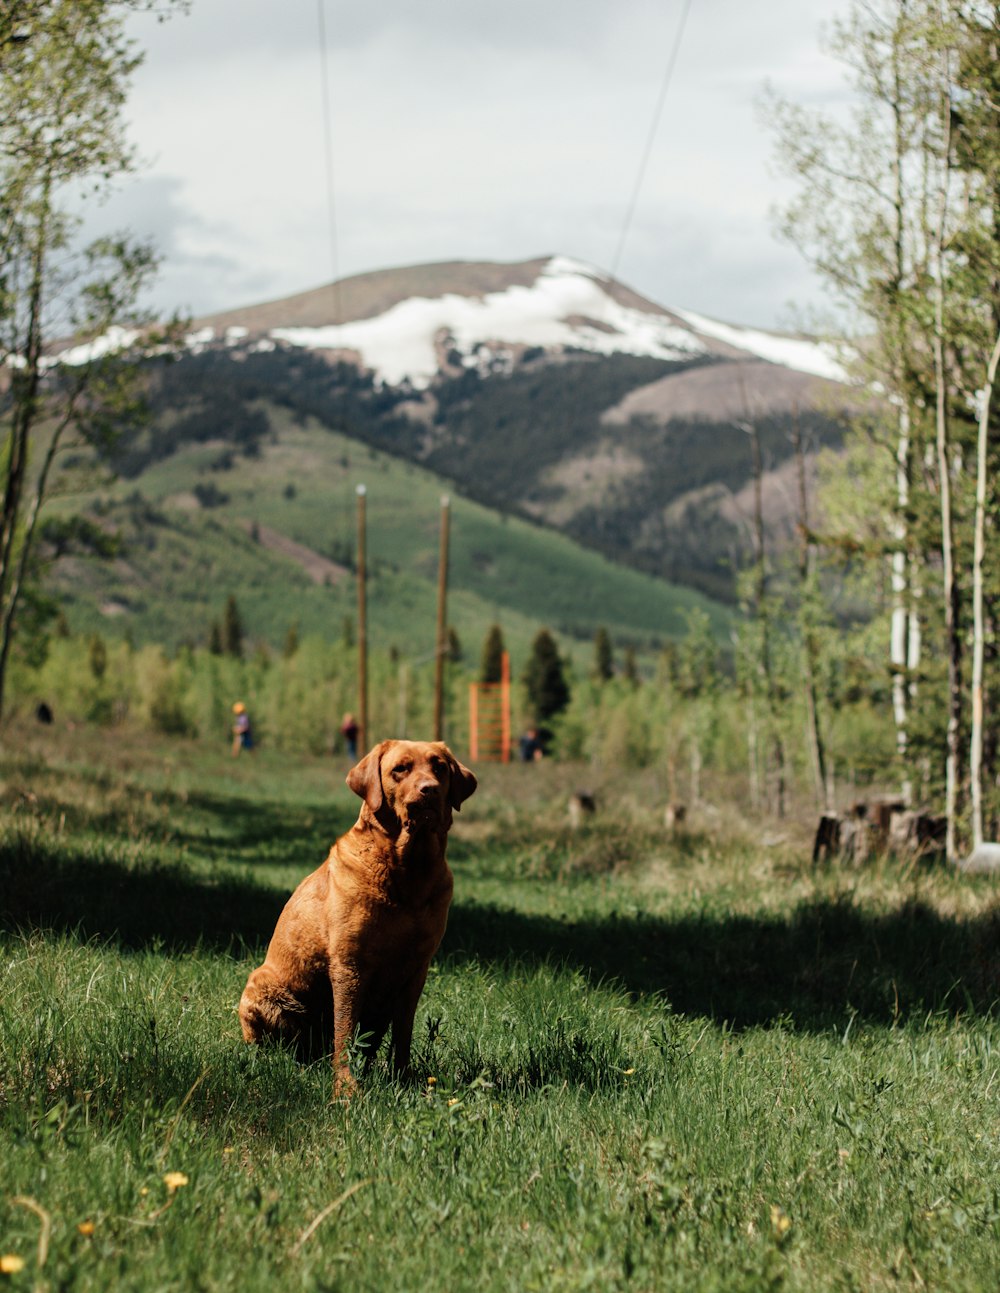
<point>949,588</point>
<point>904,625</point>
<point>979,549</point>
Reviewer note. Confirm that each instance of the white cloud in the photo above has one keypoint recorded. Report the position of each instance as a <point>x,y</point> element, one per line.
<point>466,130</point>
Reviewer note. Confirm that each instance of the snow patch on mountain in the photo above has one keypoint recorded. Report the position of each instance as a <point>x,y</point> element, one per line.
<point>793,352</point>
<point>111,342</point>
<point>566,306</point>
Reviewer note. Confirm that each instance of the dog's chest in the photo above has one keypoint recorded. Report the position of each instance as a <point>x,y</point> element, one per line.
<point>410,921</point>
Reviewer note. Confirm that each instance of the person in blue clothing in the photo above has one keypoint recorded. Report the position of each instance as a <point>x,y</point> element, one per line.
<point>349,730</point>
<point>531,747</point>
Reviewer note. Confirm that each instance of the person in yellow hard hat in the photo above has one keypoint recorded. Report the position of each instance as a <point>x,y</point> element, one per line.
<point>242,736</point>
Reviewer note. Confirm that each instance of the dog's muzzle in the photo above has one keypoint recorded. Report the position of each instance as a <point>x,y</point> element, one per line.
<point>426,808</point>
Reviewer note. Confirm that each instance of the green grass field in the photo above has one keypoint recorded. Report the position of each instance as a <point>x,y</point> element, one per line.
<point>647,1064</point>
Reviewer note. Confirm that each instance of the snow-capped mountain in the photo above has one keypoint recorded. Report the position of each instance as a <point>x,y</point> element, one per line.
<point>478,315</point>
<point>548,388</point>
<point>542,387</point>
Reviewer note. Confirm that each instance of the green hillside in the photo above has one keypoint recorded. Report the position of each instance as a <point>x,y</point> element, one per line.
<point>207,521</point>
<point>655,491</point>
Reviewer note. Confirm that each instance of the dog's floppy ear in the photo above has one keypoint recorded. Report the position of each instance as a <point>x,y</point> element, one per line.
<point>365,778</point>
<point>462,784</point>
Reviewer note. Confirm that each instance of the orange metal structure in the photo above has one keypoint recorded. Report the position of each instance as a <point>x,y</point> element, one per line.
<point>489,717</point>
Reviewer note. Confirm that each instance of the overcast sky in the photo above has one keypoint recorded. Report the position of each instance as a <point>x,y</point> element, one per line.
<point>471,130</point>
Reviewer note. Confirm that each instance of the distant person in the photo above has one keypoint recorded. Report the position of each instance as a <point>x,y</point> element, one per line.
<point>531,746</point>
<point>349,731</point>
<point>242,736</point>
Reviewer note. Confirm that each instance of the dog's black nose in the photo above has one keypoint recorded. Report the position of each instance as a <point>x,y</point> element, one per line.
<point>428,788</point>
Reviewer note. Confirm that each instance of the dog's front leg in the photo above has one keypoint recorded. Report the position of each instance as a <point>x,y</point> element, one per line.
<point>402,1027</point>
<point>346,983</point>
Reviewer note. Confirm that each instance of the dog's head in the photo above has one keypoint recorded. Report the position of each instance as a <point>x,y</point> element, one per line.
<point>417,782</point>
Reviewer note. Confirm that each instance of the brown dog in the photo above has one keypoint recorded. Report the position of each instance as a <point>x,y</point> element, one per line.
<point>352,947</point>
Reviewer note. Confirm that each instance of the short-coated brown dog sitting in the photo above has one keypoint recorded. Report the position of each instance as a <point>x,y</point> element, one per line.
<point>353,945</point>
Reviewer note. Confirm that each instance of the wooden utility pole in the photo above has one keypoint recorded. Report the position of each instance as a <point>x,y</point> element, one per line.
<point>442,623</point>
<point>362,627</point>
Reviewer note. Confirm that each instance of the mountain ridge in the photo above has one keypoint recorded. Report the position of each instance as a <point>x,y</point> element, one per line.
<point>541,388</point>
<point>548,388</point>
<point>555,301</point>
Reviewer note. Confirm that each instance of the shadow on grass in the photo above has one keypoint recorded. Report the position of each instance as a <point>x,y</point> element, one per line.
<point>824,963</point>
<point>50,881</point>
<point>251,830</point>
<point>246,830</point>
<point>816,966</point>
<point>96,896</point>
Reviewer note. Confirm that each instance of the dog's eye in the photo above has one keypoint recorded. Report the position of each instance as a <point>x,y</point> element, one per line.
<point>401,769</point>
<point>438,766</point>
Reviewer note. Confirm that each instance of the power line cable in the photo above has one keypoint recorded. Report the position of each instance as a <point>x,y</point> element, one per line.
<point>328,156</point>
<point>651,137</point>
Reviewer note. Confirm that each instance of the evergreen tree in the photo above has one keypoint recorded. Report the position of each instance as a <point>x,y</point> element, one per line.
<point>97,656</point>
<point>291,640</point>
<point>630,670</point>
<point>545,679</point>
<point>603,662</point>
<point>215,639</point>
<point>232,629</point>
<point>491,668</point>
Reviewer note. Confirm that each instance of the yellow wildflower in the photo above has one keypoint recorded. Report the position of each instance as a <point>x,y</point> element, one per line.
<point>10,1264</point>
<point>781,1222</point>
<point>432,1081</point>
<point>174,1180</point>
<point>453,1100</point>
<point>628,1072</point>
<point>86,1228</point>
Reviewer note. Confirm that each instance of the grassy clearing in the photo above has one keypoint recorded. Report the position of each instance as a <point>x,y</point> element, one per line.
<point>687,1065</point>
